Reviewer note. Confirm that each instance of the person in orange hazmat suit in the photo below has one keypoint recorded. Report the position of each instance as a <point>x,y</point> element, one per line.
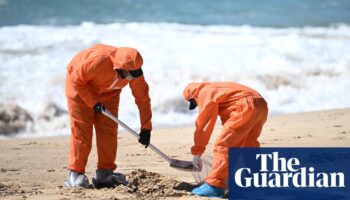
<point>243,113</point>
<point>94,82</point>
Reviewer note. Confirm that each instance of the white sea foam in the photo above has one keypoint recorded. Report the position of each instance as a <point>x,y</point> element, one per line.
<point>295,69</point>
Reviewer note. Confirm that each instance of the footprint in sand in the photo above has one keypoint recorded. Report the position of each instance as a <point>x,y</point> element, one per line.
<point>277,139</point>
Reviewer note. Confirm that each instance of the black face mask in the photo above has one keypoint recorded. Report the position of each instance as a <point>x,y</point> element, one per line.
<point>193,104</point>
<point>134,73</point>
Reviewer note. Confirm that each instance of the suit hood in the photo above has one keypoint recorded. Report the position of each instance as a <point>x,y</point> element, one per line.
<point>192,90</point>
<point>127,58</point>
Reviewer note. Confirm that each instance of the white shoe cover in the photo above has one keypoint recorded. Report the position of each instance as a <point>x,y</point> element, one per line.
<point>76,179</point>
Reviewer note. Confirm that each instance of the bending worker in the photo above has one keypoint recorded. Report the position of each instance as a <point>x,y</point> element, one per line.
<point>243,113</point>
<point>94,81</point>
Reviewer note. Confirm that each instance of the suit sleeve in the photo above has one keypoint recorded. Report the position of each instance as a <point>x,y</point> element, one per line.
<point>205,123</point>
<point>140,89</point>
<point>81,75</point>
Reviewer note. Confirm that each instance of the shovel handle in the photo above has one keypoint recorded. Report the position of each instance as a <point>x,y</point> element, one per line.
<point>108,114</point>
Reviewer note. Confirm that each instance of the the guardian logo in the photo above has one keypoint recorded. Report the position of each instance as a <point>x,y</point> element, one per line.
<point>289,173</point>
<point>286,173</point>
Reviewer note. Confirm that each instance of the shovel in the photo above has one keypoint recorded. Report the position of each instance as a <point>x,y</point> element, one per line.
<point>174,163</point>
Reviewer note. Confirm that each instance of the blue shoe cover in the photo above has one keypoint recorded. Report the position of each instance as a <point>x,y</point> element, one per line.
<point>208,191</point>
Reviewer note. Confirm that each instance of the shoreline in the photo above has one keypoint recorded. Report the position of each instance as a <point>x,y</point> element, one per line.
<point>27,135</point>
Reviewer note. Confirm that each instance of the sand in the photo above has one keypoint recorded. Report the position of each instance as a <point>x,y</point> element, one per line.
<point>35,168</point>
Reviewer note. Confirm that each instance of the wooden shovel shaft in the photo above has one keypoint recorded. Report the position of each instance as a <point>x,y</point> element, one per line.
<point>151,146</point>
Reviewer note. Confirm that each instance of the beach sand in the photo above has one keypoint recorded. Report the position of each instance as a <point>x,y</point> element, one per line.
<point>35,168</point>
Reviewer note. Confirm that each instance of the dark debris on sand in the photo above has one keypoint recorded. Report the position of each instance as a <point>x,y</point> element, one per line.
<point>16,190</point>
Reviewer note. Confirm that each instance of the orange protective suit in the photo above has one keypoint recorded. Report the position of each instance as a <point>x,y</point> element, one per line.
<point>242,111</point>
<point>92,78</point>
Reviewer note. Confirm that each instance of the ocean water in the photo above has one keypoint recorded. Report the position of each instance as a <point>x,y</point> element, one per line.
<point>295,53</point>
<point>275,13</point>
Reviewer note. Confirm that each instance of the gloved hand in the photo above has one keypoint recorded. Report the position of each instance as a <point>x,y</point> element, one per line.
<point>99,107</point>
<point>145,137</point>
<point>197,162</point>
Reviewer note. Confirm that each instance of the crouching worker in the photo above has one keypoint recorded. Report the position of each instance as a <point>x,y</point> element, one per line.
<point>94,81</point>
<point>243,113</point>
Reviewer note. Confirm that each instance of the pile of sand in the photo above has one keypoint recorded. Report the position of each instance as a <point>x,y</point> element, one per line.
<point>150,184</point>
<point>141,184</point>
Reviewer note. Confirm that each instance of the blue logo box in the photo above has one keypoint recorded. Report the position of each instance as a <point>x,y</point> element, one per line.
<point>289,173</point>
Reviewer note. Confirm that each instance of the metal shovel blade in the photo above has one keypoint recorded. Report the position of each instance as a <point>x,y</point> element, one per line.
<point>184,165</point>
